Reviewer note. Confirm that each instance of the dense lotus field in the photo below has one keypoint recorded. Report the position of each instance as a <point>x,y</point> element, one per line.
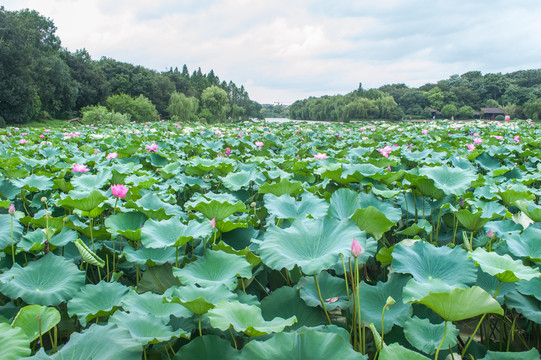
<point>271,241</point>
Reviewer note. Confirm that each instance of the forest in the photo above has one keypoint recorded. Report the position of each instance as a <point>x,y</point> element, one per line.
<point>43,80</point>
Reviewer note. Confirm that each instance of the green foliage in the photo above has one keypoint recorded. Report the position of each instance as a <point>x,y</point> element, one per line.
<point>449,110</point>
<point>532,109</point>
<point>466,112</point>
<point>140,109</point>
<point>183,107</point>
<point>100,115</point>
<point>215,101</point>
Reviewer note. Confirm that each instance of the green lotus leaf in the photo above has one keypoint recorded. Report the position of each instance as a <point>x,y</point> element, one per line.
<point>13,342</point>
<point>511,196</point>
<point>473,221</point>
<point>201,166</point>
<point>48,281</point>
<point>529,208</point>
<point>425,262</point>
<point>35,318</point>
<point>207,347</point>
<point>149,256</point>
<point>83,200</point>
<point>158,160</point>
<point>93,301</point>
<point>452,181</point>
<point>416,290</point>
<point>527,244</point>
<point>372,221</point>
<point>372,299</point>
<point>285,186</point>
<point>456,305</point>
<point>528,306</point>
<point>164,233</point>
<point>154,207</point>
<point>313,245</point>
<point>285,302</point>
<point>149,303</point>
<point>285,206</point>
<point>245,318</point>
<point>343,203</point>
<point>87,254</point>
<point>426,336</point>
<point>503,267</point>
<point>530,287</point>
<point>126,224</point>
<point>107,342</point>
<point>422,225</point>
<point>92,182</point>
<point>197,299</point>
<point>34,183</point>
<point>242,179</point>
<point>5,231</point>
<point>387,208</point>
<point>145,328</point>
<point>492,285</point>
<point>65,237</point>
<point>215,267</point>
<point>333,291</point>
<point>215,206</point>
<point>360,171</point>
<point>396,351</point>
<point>532,354</point>
<point>424,185</point>
<point>304,343</point>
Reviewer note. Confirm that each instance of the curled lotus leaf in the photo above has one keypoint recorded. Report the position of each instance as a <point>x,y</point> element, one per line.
<point>503,267</point>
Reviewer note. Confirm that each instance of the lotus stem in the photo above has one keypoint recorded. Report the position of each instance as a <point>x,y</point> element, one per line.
<point>232,337</point>
<point>40,335</point>
<point>199,325</point>
<point>472,335</point>
<point>321,300</point>
<point>12,245</point>
<point>358,307</point>
<point>442,340</point>
<point>345,274</point>
<point>511,335</point>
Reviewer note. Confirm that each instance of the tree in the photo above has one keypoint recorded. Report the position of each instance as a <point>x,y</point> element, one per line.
<point>532,109</point>
<point>449,111</point>
<point>215,100</point>
<point>465,112</point>
<point>183,107</point>
<point>435,98</point>
<point>140,109</point>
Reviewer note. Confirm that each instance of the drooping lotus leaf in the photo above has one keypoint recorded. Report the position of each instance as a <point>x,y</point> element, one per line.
<point>199,300</point>
<point>313,245</point>
<point>172,232</point>
<point>93,301</point>
<point>372,221</point>
<point>391,212</point>
<point>456,305</point>
<point>207,347</point>
<point>396,351</point>
<point>157,279</point>
<point>416,228</point>
<point>305,343</point>
<point>215,206</point>
<point>422,184</point>
<point>5,231</point>
<point>452,181</point>
<point>214,268</point>
<point>426,336</point>
<point>285,206</point>
<point>425,261</point>
<point>83,200</point>
<point>492,285</point>
<point>532,354</point>
<point>126,224</point>
<point>510,196</point>
<point>34,183</point>
<point>13,342</point>
<point>372,299</point>
<point>531,210</point>
<point>527,244</point>
<point>530,287</point>
<point>285,302</point>
<point>150,303</point>
<point>33,318</point>
<point>88,255</point>
<point>473,221</point>
<point>98,342</point>
<point>245,318</point>
<point>333,291</point>
<point>285,186</point>
<point>150,256</point>
<point>48,281</point>
<point>528,306</point>
<point>145,328</point>
<point>503,267</point>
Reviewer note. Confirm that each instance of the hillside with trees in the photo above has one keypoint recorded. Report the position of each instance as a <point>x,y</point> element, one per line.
<point>42,80</point>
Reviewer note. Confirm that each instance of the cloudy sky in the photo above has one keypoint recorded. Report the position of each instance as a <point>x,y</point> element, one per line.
<point>285,50</point>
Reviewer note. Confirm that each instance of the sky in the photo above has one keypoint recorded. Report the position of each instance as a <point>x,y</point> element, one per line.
<point>287,50</point>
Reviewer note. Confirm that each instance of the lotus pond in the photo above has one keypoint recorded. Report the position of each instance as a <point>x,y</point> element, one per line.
<point>271,241</point>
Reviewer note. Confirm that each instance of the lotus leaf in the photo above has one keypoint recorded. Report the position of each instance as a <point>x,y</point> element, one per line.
<point>34,183</point>
<point>172,232</point>
<point>13,342</point>
<point>245,318</point>
<point>126,224</point>
<point>207,347</point>
<point>35,318</point>
<point>530,287</point>
<point>216,206</point>
<point>215,267</point>
<point>343,203</point>
<point>528,306</point>
<point>93,301</point>
<point>531,210</point>
<point>150,256</point>
<point>422,225</point>
<point>145,328</point>
<point>5,231</point>
<point>372,221</point>
<point>492,285</point>
<point>285,206</point>
<point>452,181</point>
<point>285,186</point>
<point>92,182</point>
<point>426,336</point>
<point>83,200</point>
<point>527,244</point>
<point>197,299</point>
<point>48,281</point>
<point>503,267</point>
<point>333,291</point>
<point>532,354</point>
<point>157,279</point>
<point>154,207</point>
<point>149,303</point>
<point>242,179</point>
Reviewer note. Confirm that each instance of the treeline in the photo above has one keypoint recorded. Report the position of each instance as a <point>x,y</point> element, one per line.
<point>41,80</point>
<point>518,94</point>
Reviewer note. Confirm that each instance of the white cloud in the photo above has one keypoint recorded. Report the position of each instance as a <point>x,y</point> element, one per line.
<point>286,50</point>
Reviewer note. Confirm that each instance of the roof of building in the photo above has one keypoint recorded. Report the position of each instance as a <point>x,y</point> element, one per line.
<point>492,111</point>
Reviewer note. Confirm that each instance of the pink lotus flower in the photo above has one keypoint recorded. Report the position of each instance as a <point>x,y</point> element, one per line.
<point>356,249</point>
<point>386,151</point>
<point>320,156</point>
<point>477,141</point>
<point>213,223</point>
<point>471,147</point>
<point>11,210</point>
<point>152,147</point>
<point>22,141</point>
<point>24,133</point>
<point>41,136</point>
<point>112,155</point>
<point>227,151</point>
<point>80,168</point>
<point>259,144</point>
<point>119,190</point>
<point>47,130</point>
<point>516,139</point>
<point>425,131</point>
<point>490,234</point>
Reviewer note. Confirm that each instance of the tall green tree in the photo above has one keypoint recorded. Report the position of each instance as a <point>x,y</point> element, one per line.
<point>183,107</point>
<point>214,99</point>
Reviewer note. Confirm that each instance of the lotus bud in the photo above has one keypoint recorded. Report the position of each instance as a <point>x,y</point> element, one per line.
<point>461,203</point>
<point>44,199</point>
<point>65,219</point>
<point>356,248</point>
<point>253,204</point>
<point>48,213</point>
<point>11,209</point>
<point>491,234</point>
<point>213,223</point>
<point>390,301</point>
